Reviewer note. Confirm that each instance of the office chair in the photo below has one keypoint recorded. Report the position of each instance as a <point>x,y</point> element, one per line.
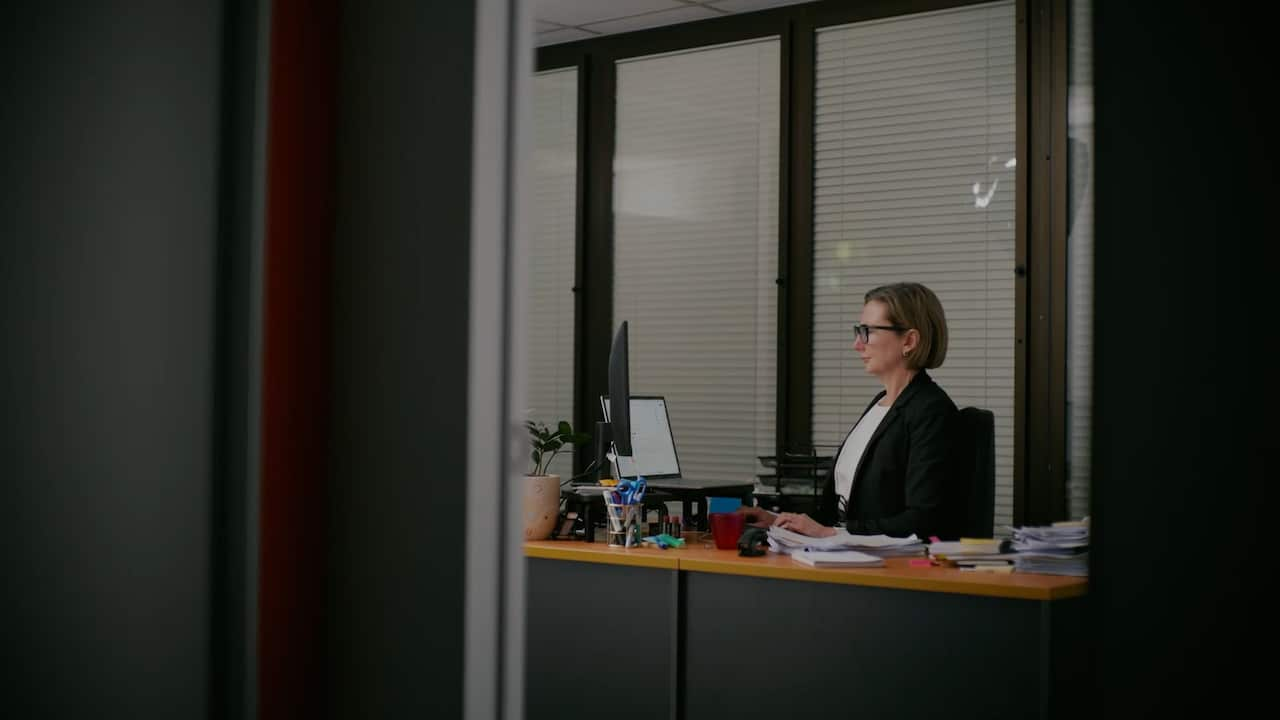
<point>978,457</point>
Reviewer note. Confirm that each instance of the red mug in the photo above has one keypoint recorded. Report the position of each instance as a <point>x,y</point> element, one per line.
<point>726,528</point>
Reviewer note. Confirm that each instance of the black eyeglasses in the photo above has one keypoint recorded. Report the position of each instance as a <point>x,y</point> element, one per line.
<point>864,331</point>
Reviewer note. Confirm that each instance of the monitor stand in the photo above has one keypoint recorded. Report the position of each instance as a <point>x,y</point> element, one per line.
<point>604,441</point>
<point>590,507</point>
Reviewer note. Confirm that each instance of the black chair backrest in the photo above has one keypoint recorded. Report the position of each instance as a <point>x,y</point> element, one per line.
<point>978,452</point>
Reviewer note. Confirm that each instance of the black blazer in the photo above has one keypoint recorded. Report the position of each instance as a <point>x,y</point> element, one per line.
<point>904,482</point>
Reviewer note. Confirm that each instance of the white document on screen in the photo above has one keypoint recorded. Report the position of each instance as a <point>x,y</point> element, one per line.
<point>653,448</point>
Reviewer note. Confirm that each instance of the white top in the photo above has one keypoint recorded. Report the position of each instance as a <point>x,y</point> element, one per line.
<point>851,453</point>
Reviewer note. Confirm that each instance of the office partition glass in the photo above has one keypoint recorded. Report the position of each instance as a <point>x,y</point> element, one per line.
<point>549,325</point>
<point>914,179</point>
<point>1079,258</point>
<point>696,246</point>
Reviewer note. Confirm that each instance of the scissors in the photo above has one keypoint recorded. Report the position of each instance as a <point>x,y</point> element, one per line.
<point>639,486</point>
<point>631,491</point>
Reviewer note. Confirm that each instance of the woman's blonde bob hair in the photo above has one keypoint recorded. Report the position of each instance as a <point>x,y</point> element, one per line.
<point>914,306</point>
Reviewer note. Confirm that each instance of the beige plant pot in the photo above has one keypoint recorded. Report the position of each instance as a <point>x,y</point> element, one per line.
<point>541,505</point>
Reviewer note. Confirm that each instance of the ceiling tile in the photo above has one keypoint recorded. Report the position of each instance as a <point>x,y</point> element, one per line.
<point>542,26</point>
<point>688,13</point>
<point>561,36</point>
<point>749,5</point>
<point>580,12</point>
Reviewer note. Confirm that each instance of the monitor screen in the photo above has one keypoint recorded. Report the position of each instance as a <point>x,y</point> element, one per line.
<point>653,446</point>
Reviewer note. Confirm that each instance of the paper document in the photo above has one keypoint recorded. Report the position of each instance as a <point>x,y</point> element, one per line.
<point>836,558</point>
<point>788,542</point>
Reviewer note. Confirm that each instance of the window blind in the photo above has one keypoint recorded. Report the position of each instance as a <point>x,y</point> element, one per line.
<point>696,246</point>
<point>914,134</point>
<point>550,320</point>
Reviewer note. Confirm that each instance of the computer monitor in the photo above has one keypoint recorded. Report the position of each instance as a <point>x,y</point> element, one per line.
<point>620,394</point>
<point>654,445</point>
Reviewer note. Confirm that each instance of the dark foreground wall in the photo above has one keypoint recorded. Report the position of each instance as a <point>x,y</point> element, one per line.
<point>401,262</point>
<point>121,409</point>
<point>1184,390</point>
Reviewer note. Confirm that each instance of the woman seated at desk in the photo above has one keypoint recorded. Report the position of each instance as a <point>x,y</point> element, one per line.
<point>893,473</point>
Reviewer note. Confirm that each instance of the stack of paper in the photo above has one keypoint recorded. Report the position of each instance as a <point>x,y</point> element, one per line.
<point>984,566</point>
<point>1057,549</point>
<point>1058,536</point>
<point>836,558</point>
<point>971,553</point>
<point>964,548</point>
<point>788,541</point>
<point>1051,564</point>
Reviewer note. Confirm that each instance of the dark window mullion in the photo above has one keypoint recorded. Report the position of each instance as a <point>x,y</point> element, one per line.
<point>1060,59</point>
<point>581,422</point>
<point>1040,495</point>
<point>1022,214</point>
<point>796,427</point>
<point>595,302</point>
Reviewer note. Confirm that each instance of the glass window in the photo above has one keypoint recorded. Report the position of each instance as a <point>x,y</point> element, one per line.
<point>914,180</point>
<point>549,325</point>
<point>696,246</point>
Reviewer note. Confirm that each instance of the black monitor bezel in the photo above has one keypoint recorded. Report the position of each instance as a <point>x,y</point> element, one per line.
<point>620,386</point>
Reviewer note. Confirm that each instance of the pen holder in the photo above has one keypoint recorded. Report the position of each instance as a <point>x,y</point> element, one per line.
<point>624,523</point>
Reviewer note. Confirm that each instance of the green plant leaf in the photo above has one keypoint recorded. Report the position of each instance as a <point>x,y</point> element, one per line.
<point>548,442</point>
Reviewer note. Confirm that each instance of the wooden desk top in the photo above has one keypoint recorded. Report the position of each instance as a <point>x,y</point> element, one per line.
<point>602,553</point>
<point>898,573</point>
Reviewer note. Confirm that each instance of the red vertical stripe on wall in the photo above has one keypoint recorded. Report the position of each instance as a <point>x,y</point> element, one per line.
<point>295,411</point>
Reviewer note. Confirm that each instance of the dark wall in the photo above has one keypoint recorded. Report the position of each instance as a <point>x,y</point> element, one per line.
<point>397,482</point>
<point>109,252</point>
<point>1185,187</point>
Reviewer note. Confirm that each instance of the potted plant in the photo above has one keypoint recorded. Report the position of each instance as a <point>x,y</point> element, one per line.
<point>542,491</point>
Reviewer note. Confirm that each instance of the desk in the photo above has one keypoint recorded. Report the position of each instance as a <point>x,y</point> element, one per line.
<point>717,635</point>
<point>687,491</point>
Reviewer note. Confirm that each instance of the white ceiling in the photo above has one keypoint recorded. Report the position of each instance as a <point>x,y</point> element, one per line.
<point>559,21</point>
